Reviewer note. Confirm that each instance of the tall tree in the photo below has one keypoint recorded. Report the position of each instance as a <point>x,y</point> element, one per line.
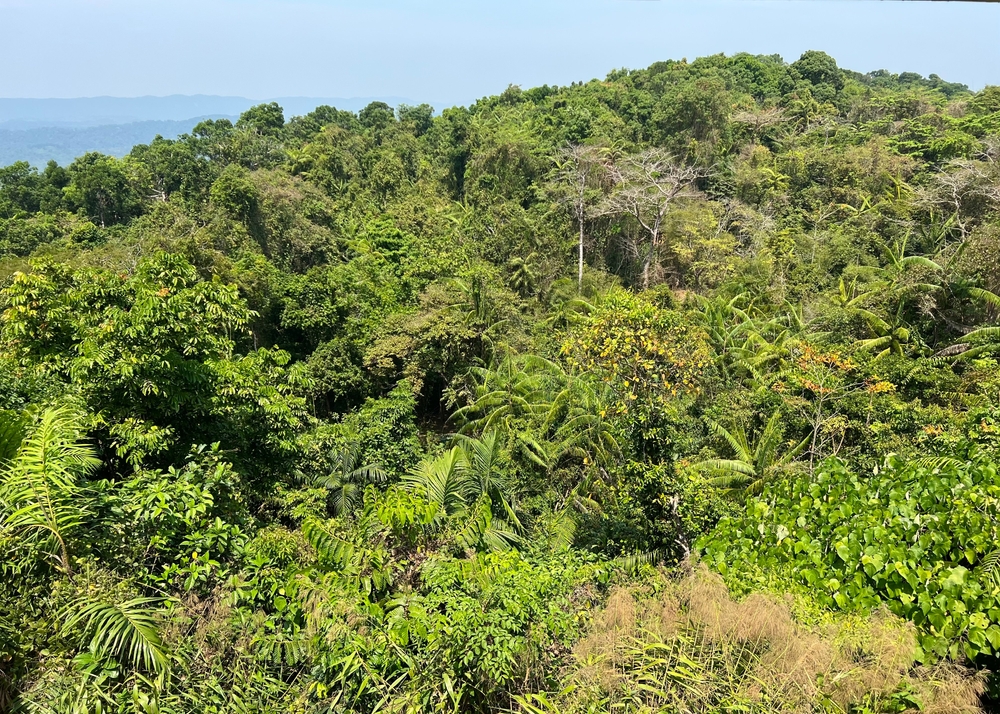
<point>579,170</point>
<point>646,186</point>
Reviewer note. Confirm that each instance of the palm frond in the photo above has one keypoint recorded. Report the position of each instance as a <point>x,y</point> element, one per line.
<point>986,296</point>
<point>987,332</point>
<point>330,546</point>
<point>560,530</point>
<point>938,462</point>
<point>443,481</point>
<point>990,567</point>
<point>633,562</point>
<point>876,343</point>
<point>40,496</point>
<point>125,630</point>
<point>737,441</point>
<point>795,452</point>
<point>731,466</point>
<point>919,260</point>
<point>481,530</point>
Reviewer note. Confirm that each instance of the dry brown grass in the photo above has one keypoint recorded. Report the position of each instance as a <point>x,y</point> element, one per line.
<point>691,647</point>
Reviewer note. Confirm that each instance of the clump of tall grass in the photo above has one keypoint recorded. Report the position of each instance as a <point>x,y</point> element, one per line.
<point>692,648</point>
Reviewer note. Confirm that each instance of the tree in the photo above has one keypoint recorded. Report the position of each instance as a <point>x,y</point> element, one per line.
<point>891,336</point>
<point>646,186</point>
<point>579,170</point>
<point>348,478</point>
<point>153,355</point>
<point>471,493</point>
<point>167,167</point>
<point>265,119</point>
<point>982,340</point>
<point>419,117</point>
<point>755,464</point>
<point>377,116</point>
<point>819,68</point>
<point>100,187</point>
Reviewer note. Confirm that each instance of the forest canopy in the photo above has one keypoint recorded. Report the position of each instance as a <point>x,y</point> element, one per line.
<point>676,391</point>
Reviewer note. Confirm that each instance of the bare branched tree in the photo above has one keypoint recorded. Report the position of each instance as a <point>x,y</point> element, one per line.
<point>966,188</point>
<point>646,185</point>
<point>580,169</point>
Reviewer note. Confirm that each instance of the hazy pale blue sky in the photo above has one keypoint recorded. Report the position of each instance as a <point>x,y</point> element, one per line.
<point>454,50</point>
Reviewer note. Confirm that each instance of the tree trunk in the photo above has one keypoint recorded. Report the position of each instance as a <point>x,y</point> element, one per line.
<point>645,268</point>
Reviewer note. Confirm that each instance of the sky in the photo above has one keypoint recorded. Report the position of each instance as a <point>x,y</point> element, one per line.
<point>454,51</point>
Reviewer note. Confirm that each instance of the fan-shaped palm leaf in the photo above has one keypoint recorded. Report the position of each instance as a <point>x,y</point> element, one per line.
<point>348,478</point>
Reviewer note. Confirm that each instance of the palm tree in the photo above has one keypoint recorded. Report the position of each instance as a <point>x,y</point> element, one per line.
<point>348,478</point>
<point>472,493</point>
<point>568,303</point>
<point>511,398</point>
<point>755,464</point>
<point>523,273</point>
<point>899,266</point>
<point>850,299</point>
<point>728,324</point>
<point>984,340</point>
<point>489,474</point>
<point>443,481</point>
<point>889,337</point>
<point>748,343</point>
<point>41,500</point>
<point>577,419</point>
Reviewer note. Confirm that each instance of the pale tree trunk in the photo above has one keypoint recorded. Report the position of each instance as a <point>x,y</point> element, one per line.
<point>646,264</point>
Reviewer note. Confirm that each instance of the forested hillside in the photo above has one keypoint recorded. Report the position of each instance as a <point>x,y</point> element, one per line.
<point>673,392</point>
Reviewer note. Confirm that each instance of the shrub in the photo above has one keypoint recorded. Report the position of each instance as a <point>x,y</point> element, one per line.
<point>910,537</point>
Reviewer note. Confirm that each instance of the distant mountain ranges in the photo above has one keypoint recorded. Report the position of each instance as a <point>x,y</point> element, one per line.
<point>41,144</point>
<point>40,130</point>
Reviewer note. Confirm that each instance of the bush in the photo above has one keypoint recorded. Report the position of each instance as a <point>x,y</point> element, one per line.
<point>910,537</point>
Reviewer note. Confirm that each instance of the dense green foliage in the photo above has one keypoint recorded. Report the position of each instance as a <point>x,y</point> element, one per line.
<point>909,537</point>
<point>387,410</point>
